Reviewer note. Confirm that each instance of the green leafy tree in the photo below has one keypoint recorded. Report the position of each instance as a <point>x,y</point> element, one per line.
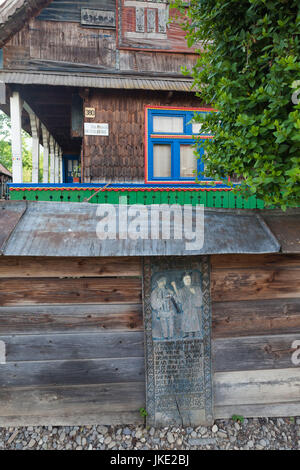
<point>5,148</point>
<point>249,70</point>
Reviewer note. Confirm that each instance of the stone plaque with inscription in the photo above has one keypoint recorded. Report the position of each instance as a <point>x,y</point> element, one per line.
<point>178,351</point>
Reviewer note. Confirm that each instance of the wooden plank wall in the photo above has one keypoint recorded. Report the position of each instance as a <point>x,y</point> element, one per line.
<point>256,320</point>
<point>73,332</point>
<point>120,156</point>
<point>51,45</point>
<point>67,46</point>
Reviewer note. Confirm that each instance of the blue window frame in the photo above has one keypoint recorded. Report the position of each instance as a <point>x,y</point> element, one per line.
<point>167,131</point>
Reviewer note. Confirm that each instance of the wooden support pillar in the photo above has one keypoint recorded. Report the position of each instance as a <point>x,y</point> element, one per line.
<point>46,154</point>
<point>35,128</point>
<point>16,106</point>
<point>60,166</point>
<point>56,164</point>
<point>52,158</point>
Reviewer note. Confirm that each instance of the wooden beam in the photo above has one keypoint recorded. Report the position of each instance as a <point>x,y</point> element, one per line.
<point>36,319</point>
<point>28,266</point>
<point>74,372</point>
<point>16,106</point>
<point>55,347</point>
<point>70,291</point>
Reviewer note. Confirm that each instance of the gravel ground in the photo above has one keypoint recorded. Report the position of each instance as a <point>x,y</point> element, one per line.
<point>257,434</point>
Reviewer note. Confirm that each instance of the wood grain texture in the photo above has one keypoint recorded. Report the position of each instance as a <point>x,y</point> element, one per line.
<point>255,283</point>
<point>61,45</point>
<point>76,372</point>
<point>23,348</point>
<point>255,317</point>
<point>257,387</point>
<point>265,261</point>
<point>254,353</point>
<point>12,266</point>
<point>143,61</point>
<point>69,291</point>
<point>63,401</point>
<point>35,319</point>
<point>74,419</point>
<point>257,411</point>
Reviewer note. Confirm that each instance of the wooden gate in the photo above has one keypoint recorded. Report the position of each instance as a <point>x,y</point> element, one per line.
<point>71,336</point>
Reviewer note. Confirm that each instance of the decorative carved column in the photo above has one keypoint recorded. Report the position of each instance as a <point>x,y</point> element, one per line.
<point>16,106</point>
<point>177,316</point>
<point>45,154</point>
<point>35,127</point>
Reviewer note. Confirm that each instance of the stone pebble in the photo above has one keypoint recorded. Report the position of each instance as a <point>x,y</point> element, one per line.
<point>250,434</point>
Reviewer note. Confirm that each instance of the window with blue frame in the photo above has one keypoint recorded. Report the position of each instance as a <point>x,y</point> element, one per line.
<point>170,138</point>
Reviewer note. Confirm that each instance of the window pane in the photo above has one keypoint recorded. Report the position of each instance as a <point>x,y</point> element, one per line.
<point>188,161</point>
<point>167,124</point>
<point>162,161</point>
<point>196,127</point>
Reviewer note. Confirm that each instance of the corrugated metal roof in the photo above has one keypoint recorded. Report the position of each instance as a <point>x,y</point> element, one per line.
<point>98,81</point>
<point>69,229</point>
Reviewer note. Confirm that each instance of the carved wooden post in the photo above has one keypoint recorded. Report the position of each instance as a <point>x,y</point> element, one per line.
<point>52,159</point>
<point>16,106</point>
<point>177,317</point>
<point>56,163</point>
<point>60,166</point>
<point>35,127</point>
<point>46,154</point>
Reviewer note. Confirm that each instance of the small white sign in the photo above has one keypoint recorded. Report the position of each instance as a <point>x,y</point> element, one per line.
<point>92,128</point>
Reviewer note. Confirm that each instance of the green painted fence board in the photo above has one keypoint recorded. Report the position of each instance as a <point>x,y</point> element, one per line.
<point>218,199</point>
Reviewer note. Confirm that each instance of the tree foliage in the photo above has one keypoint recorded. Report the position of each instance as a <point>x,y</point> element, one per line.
<point>249,70</point>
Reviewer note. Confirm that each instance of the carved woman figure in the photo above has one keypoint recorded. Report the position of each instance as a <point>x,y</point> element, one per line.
<point>161,302</point>
<point>190,299</point>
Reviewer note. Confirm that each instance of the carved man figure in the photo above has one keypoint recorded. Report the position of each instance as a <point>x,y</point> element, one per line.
<point>190,299</point>
<point>161,302</point>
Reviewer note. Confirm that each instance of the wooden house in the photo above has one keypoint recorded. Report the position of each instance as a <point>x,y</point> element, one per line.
<point>95,327</point>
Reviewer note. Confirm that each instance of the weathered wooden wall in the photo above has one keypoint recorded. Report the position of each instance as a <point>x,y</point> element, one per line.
<point>256,319</point>
<point>120,156</point>
<point>68,46</point>
<point>73,332</point>
<point>57,45</point>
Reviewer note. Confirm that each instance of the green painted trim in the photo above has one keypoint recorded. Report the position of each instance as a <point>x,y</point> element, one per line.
<point>218,199</point>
